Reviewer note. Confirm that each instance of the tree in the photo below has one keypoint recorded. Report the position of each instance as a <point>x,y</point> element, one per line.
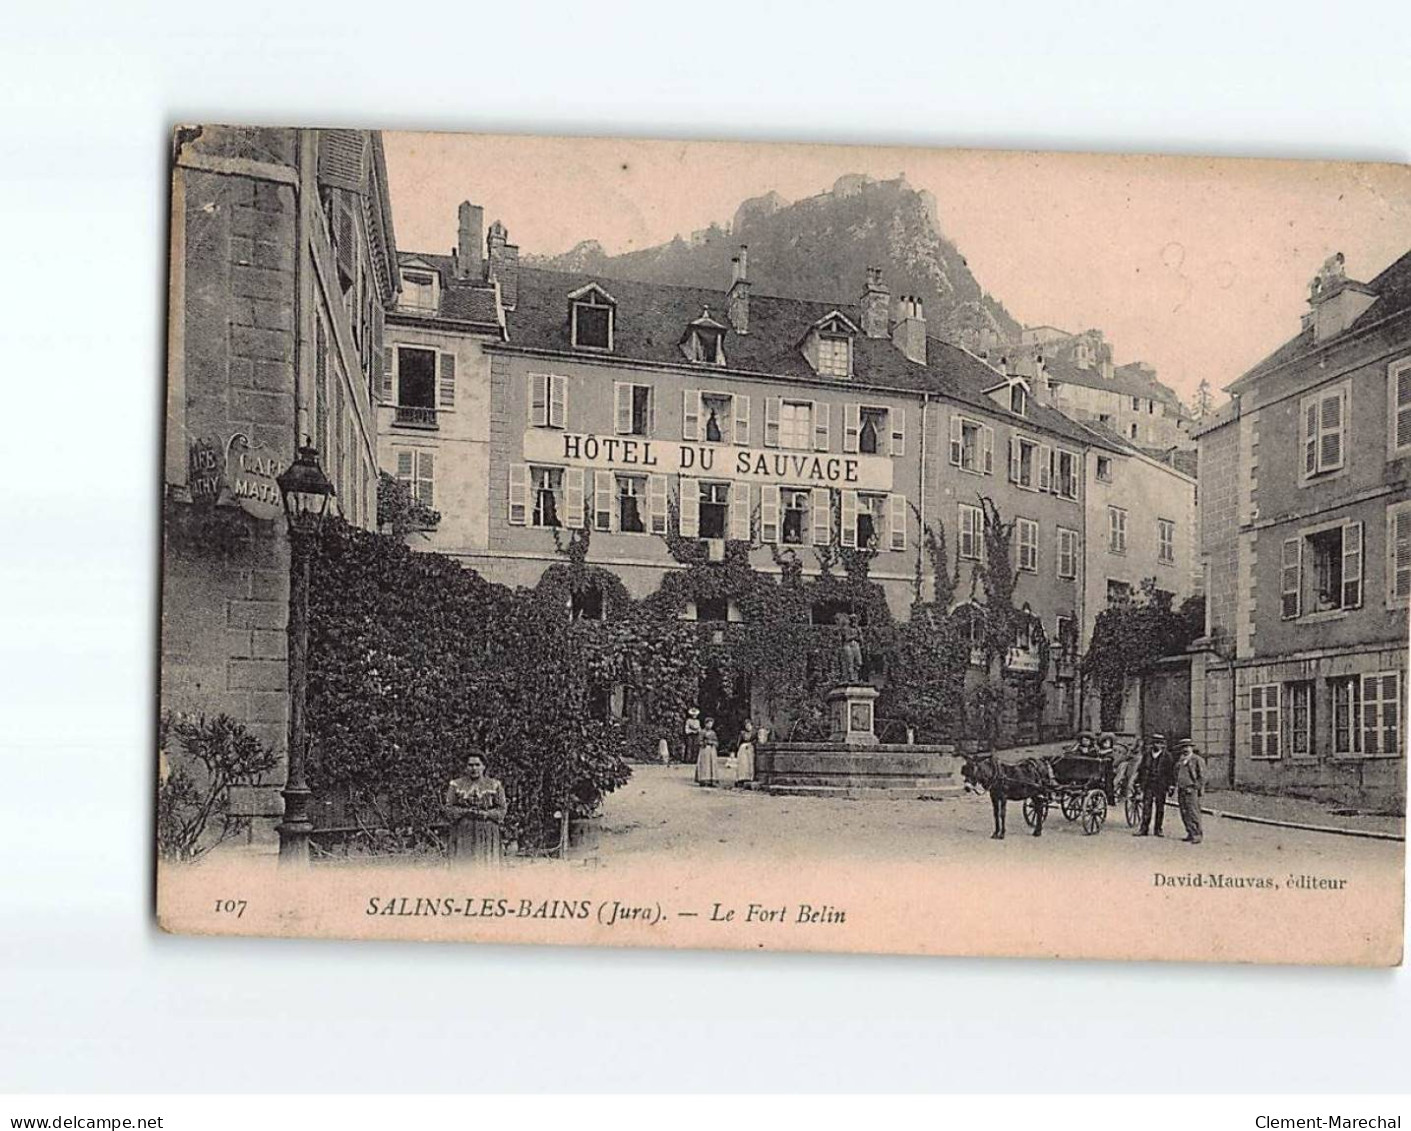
<point>193,790</point>
<point>399,512</point>
<point>1204,400</point>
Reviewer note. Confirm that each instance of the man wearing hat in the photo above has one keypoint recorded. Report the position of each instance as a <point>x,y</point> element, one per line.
<point>1154,775</point>
<point>1190,784</point>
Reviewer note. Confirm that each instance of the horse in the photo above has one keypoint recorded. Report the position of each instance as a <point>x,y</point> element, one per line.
<point>1003,781</point>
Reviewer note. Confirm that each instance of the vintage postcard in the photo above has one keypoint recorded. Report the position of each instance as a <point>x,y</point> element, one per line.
<point>686,544</point>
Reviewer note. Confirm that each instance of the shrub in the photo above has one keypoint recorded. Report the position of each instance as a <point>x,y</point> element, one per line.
<point>193,789</point>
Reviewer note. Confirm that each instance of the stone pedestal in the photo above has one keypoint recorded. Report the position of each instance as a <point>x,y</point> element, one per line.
<point>850,708</point>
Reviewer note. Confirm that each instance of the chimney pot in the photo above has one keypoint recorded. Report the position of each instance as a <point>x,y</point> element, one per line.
<point>909,334</point>
<point>468,259</point>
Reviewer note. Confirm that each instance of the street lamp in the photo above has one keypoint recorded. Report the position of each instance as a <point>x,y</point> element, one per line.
<point>306,491</point>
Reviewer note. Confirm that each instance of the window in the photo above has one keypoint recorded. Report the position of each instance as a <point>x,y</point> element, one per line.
<point>1018,400</point>
<point>1066,483</point>
<point>1067,552</point>
<point>547,485</point>
<point>1321,570</point>
<point>593,322</point>
<point>416,386</point>
<point>416,472</point>
<point>548,400</point>
<point>1399,408</point>
<point>1324,417</point>
<point>872,427</point>
<point>1136,404</point>
<point>871,519</point>
<point>1104,468</point>
<point>1367,714</point>
<point>1116,530</point>
<point>1299,721</point>
<point>1347,702</point>
<point>972,446</point>
<point>1399,554</point>
<point>796,424</point>
<point>1028,531</point>
<point>1023,460</point>
<point>1067,647</point>
<point>715,508</point>
<point>708,346</point>
<point>1264,721</point>
<point>633,405</point>
<point>796,525</point>
<point>972,524</point>
<point>586,604</point>
<point>418,291</point>
<point>834,357</point>
<point>1151,408</point>
<point>716,412</point>
<point>713,609</point>
<point>631,499</point>
<point>1134,431</point>
<point>1166,541</point>
<point>1118,592</point>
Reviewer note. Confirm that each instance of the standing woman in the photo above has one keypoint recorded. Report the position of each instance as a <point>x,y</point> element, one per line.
<point>692,732</point>
<point>476,806</point>
<point>708,760</point>
<point>744,755</point>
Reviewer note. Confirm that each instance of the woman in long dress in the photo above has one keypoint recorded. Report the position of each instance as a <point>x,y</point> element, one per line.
<point>708,760</point>
<point>476,805</point>
<point>744,755</point>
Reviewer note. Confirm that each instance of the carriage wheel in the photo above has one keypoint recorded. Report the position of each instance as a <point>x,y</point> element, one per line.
<point>1072,805</point>
<point>1032,807</point>
<point>1132,808</point>
<point>1094,811</point>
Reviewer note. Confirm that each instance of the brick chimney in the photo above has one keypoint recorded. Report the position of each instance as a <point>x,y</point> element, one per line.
<point>876,305</point>
<point>472,222</point>
<point>909,334</point>
<point>502,264</point>
<point>737,303</point>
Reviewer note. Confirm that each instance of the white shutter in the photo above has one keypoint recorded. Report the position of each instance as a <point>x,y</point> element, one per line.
<point>821,512</point>
<point>852,426</point>
<point>820,427</point>
<point>1401,407</point>
<point>769,513</point>
<point>1399,554</point>
<point>1331,426</point>
<point>446,386</point>
<point>1291,578</point>
<point>690,499</point>
<point>558,402</point>
<point>602,500</point>
<point>896,521</point>
<point>957,442</point>
<point>740,512</point>
<point>1045,467</point>
<point>691,414</point>
<point>967,532</point>
<point>539,399</point>
<point>742,420</point>
<point>519,494</point>
<point>1310,438</point>
<point>622,407</point>
<point>573,501</point>
<point>389,370</point>
<point>1014,466</point>
<point>1351,565</point>
<point>426,478</point>
<point>988,436</point>
<point>656,503</point>
<point>406,472</point>
<point>848,534</point>
<point>772,406</point>
<point>898,418</point>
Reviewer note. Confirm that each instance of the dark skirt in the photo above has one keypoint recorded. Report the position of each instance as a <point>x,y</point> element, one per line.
<point>475,840</point>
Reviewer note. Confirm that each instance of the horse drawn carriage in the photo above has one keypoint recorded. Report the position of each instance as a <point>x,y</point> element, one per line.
<point>1081,788</point>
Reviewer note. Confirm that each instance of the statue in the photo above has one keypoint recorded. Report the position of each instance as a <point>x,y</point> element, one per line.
<point>851,653</point>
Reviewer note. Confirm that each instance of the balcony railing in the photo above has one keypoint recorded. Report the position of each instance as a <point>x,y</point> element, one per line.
<point>416,417</point>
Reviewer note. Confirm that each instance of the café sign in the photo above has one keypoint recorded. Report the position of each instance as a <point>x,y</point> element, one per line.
<point>707,461</point>
<point>234,473</point>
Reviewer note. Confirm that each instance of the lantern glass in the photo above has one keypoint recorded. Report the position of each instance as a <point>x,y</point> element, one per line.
<point>306,492</point>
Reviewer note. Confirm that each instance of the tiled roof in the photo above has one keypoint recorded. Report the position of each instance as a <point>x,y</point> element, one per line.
<point>652,316</point>
<point>1393,290</point>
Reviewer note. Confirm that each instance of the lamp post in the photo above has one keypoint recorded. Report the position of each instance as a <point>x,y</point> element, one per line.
<point>305,490</point>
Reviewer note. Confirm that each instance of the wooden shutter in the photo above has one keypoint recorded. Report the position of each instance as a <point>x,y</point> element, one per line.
<point>1291,578</point>
<point>1351,565</point>
<point>848,534</point>
<point>769,513</point>
<point>1014,464</point>
<point>742,420</point>
<point>897,416</point>
<point>896,521</point>
<point>602,500</point>
<point>821,513</point>
<point>987,435</point>
<point>957,441</point>
<point>426,478</point>
<point>340,159</point>
<point>539,399</point>
<point>446,387</point>
<point>1398,554</point>
<point>740,512</point>
<point>656,503</point>
<point>1045,457</point>
<point>1310,438</point>
<point>519,494</point>
<point>389,371</point>
<point>852,427</point>
<point>690,414</point>
<point>820,427</point>
<point>1331,425</point>
<point>558,401</point>
<point>622,407</point>
<point>1401,407</point>
<point>772,406</point>
<point>406,468</point>
<point>573,500</point>
<point>690,499</point>
<point>967,532</point>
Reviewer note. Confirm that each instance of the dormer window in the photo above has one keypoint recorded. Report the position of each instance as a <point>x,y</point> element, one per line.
<point>828,346</point>
<point>419,290</point>
<point>592,314</point>
<point>1018,399</point>
<point>834,357</point>
<point>704,340</point>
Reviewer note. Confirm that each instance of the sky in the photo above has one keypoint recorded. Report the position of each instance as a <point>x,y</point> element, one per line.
<point>1197,266</point>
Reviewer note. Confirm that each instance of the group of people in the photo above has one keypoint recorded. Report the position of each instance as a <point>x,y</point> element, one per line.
<point>1155,770</point>
<point>702,746</point>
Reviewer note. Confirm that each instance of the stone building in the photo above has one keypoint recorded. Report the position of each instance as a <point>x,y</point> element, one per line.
<point>575,401</point>
<point>282,263</point>
<point>1306,542</point>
